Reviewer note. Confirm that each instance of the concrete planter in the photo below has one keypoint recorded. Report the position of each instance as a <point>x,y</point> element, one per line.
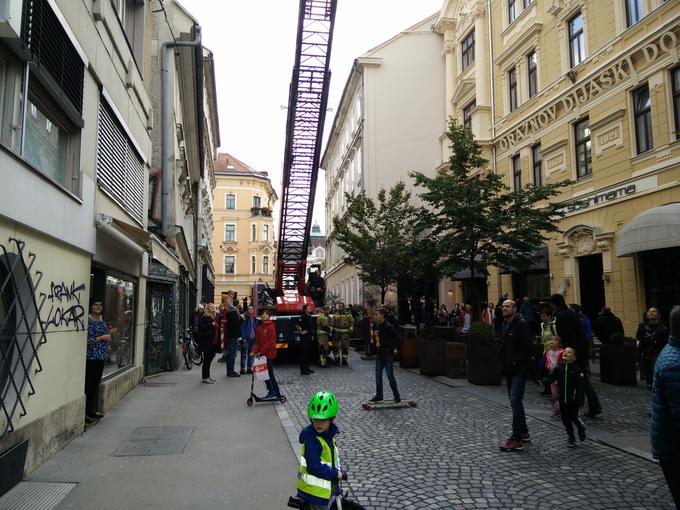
<point>484,364</point>
<point>432,355</point>
<point>617,364</point>
<point>409,353</point>
<point>456,360</point>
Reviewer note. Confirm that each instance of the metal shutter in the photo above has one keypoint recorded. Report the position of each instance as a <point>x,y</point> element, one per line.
<point>120,170</point>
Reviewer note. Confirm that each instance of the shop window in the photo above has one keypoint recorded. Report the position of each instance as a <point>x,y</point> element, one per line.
<point>265,233</point>
<point>532,73</point>
<point>516,173</point>
<point>229,264</point>
<point>642,107</point>
<point>265,264</point>
<point>119,313</point>
<point>230,232</point>
<point>512,88</point>
<point>253,264</point>
<point>634,11</point>
<point>512,10</point>
<point>467,114</point>
<point>675,79</point>
<point>537,164</point>
<point>468,50</point>
<point>230,201</point>
<point>577,48</point>
<point>583,152</point>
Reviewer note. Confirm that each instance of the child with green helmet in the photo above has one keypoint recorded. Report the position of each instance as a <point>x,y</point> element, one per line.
<point>319,462</point>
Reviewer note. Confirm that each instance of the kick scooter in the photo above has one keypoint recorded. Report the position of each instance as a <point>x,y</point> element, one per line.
<point>254,398</point>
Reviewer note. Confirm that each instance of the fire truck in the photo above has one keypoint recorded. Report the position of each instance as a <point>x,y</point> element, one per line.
<point>307,104</point>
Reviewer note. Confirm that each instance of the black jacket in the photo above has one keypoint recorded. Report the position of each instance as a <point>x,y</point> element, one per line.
<point>307,323</point>
<point>388,338</point>
<point>652,337</point>
<point>517,347</point>
<point>233,326</point>
<point>569,329</point>
<point>570,381</point>
<point>205,332</point>
<point>606,325</point>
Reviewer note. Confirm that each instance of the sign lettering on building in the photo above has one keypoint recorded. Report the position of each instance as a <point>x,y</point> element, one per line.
<point>619,71</point>
<point>609,195</point>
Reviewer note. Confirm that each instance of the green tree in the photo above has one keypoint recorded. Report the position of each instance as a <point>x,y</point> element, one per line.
<point>380,238</point>
<point>476,221</point>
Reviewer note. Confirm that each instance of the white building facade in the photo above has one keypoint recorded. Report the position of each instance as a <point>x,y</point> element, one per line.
<point>389,122</point>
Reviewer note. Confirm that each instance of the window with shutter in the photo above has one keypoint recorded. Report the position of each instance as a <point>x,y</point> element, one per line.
<point>120,169</point>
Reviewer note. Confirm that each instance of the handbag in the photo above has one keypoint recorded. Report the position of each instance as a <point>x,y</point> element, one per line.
<point>260,368</point>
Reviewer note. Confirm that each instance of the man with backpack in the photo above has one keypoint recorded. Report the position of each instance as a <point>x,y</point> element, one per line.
<point>572,333</point>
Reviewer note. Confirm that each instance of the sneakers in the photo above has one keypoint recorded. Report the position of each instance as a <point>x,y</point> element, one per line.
<point>221,360</point>
<point>344,362</point>
<point>593,414</point>
<point>397,401</point>
<point>233,374</point>
<point>525,438</point>
<point>556,412</point>
<point>512,445</point>
<point>571,442</point>
<point>207,381</point>
<point>249,372</point>
<point>375,399</point>
<point>243,371</point>
<point>582,434</point>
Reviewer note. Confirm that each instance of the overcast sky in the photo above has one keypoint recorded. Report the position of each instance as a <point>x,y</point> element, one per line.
<point>253,42</point>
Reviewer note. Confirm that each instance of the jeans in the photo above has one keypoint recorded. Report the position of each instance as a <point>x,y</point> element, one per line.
<point>231,345</point>
<point>246,360</point>
<point>671,471</point>
<point>516,384</point>
<point>385,361</point>
<point>272,385</point>
<point>93,376</point>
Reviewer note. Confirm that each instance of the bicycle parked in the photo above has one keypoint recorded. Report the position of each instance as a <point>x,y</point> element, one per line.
<point>192,354</point>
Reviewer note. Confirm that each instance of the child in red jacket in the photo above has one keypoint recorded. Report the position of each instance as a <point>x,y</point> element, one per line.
<point>265,345</point>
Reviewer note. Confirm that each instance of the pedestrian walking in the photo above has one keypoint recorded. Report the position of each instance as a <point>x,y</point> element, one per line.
<point>387,341</point>
<point>323,331</point>
<point>342,324</point>
<point>265,345</point>
<point>652,336</point>
<point>99,337</point>
<point>307,329</point>
<point>570,380</point>
<point>207,337</point>
<point>516,360</point>
<point>665,424</point>
<point>248,331</point>
<point>606,325</point>
<point>232,332</point>
<point>572,333</point>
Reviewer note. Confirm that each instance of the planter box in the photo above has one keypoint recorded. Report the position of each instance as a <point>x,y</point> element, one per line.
<point>432,357</point>
<point>617,364</point>
<point>484,364</point>
<point>408,353</point>
<point>408,331</point>
<point>456,360</point>
<point>446,333</point>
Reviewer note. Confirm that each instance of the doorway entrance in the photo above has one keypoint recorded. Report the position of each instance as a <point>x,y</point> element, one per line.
<point>662,279</point>
<point>592,287</point>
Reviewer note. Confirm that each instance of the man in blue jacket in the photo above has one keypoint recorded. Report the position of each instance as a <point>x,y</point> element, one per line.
<point>665,430</point>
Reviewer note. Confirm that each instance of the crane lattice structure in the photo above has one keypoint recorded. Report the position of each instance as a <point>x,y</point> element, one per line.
<point>304,129</point>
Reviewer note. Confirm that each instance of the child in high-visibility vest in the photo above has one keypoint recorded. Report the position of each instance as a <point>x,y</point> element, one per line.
<point>319,469</point>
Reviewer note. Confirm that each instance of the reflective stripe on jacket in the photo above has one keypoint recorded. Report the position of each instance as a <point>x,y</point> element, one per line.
<point>308,483</point>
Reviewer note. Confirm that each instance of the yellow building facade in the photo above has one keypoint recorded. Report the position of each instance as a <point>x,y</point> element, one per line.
<point>588,91</point>
<point>244,246</point>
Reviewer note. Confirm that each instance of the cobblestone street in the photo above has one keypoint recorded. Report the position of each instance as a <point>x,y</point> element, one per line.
<point>445,453</point>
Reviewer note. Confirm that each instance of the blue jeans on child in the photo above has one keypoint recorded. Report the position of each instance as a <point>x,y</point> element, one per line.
<point>246,360</point>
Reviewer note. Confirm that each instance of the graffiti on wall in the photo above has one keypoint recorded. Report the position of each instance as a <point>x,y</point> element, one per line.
<point>66,309</point>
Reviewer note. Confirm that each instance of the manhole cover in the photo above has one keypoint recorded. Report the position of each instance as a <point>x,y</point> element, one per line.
<point>147,441</point>
<point>36,495</point>
<point>158,384</point>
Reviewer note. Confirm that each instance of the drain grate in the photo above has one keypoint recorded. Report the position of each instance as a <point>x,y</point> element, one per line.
<point>148,441</point>
<point>36,495</point>
<point>158,384</point>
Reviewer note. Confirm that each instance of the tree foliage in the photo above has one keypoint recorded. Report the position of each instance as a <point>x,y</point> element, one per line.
<point>381,238</point>
<point>475,219</point>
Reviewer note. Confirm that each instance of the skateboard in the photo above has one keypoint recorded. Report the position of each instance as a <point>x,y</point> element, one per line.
<point>388,404</point>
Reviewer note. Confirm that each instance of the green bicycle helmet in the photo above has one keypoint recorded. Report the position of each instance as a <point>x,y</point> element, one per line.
<point>322,406</point>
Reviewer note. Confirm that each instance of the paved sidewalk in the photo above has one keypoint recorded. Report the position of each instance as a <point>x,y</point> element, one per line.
<point>236,457</point>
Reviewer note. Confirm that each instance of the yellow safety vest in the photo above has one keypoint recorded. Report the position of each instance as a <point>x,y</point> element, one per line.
<point>313,485</point>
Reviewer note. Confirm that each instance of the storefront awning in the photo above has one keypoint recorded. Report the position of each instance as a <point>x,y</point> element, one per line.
<point>654,229</point>
<point>135,238</point>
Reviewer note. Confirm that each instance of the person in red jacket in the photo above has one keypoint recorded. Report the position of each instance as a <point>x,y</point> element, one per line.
<point>265,345</point>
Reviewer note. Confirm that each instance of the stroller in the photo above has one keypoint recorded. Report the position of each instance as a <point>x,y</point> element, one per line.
<point>254,398</point>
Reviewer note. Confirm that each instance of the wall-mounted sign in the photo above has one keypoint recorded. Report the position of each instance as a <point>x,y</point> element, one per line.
<point>611,194</point>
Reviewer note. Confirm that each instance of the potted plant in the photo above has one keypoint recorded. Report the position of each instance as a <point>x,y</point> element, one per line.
<point>483,356</point>
<point>432,354</point>
<point>617,360</point>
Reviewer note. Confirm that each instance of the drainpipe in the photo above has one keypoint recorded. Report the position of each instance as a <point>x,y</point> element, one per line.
<point>165,116</point>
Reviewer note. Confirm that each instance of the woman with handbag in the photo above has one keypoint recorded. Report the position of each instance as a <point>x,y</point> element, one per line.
<point>265,345</point>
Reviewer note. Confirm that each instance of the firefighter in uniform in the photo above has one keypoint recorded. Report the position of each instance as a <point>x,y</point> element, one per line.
<point>343,324</point>
<point>323,331</point>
